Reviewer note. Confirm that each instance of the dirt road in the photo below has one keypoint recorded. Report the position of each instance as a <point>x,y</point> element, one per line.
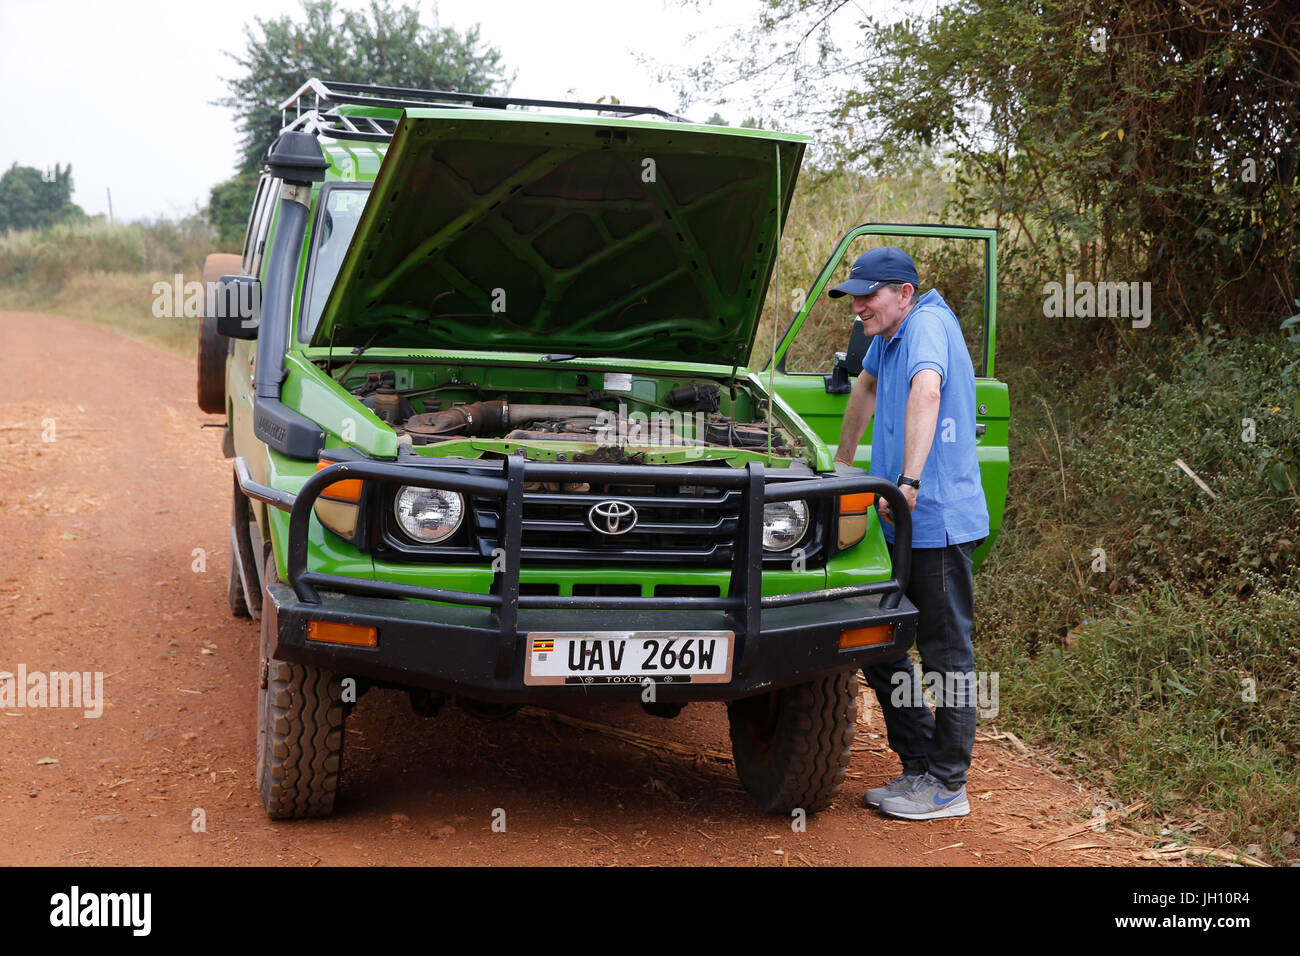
<point>114,508</point>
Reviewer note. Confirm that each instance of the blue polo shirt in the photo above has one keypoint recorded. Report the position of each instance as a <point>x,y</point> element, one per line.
<point>950,507</point>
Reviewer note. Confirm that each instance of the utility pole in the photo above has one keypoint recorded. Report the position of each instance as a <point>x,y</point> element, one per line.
<point>110,205</point>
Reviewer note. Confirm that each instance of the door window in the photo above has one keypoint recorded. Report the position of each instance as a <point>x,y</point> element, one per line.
<point>337,216</point>
<point>955,267</point>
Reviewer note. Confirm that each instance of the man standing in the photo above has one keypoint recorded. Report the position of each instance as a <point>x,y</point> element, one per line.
<point>918,380</point>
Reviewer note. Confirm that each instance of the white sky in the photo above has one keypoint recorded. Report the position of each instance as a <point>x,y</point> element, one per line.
<point>123,90</point>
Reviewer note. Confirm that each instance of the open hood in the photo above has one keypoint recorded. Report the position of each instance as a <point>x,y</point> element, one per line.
<point>586,235</point>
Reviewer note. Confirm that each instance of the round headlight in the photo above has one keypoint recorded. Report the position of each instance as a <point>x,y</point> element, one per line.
<point>784,524</point>
<point>429,515</point>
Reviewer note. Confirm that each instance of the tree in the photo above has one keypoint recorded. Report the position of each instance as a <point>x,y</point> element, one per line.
<point>384,45</point>
<point>229,204</point>
<point>32,199</point>
<point>1135,141</point>
<point>1144,141</point>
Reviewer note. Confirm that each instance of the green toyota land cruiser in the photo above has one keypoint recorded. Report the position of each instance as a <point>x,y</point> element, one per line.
<point>498,436</point>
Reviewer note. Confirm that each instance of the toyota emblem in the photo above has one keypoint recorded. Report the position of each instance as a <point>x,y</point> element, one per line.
<point>612,517</point>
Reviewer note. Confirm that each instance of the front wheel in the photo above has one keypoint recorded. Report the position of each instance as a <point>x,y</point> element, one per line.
<point>300,719</point>
<point>792,746</point>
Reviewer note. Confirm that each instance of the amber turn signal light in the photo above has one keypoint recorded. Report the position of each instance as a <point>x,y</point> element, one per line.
<point>347,490</point>
<point>864,636</point>
<point>335,632</point>
<point>856,504</point>
<point>853,519</point>
<point>338,506</point>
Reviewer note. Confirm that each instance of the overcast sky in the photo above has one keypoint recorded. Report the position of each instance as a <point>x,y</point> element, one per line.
<point>123,90</point>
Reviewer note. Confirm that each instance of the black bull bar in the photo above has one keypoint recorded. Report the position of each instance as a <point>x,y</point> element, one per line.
<point>742,605</point>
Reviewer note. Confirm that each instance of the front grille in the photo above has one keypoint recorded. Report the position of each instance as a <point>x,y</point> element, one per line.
<point>535,589</point>
<point>688,590</point>
<point>687,525</point>
<point>607,590</point>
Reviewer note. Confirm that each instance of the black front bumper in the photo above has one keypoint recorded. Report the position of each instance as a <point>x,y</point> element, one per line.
<point>459,650</point>
<point>476,644</point>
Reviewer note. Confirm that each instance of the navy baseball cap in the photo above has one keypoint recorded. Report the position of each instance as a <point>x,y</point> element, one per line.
<point>875,268</point>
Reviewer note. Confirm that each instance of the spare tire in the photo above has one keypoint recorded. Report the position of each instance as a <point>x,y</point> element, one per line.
<point>214,347</point>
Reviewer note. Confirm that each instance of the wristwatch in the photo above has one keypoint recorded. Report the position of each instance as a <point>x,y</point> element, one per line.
<point>904,480</point>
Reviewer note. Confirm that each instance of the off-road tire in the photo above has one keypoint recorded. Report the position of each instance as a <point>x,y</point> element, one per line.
<point>300,718</point>
<point>792,746</point>
<point>213,347</point>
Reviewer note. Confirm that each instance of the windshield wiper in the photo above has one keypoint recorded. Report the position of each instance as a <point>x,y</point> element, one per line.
<point>358,352</point>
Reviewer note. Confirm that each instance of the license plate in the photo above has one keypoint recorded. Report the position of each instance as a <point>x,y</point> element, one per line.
<point>629,657</point>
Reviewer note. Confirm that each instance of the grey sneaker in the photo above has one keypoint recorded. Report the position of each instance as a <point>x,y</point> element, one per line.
<point>898,785</point>
<point>926,799</point>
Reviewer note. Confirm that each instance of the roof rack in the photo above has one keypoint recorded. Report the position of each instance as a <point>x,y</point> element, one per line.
<point>314,107</point>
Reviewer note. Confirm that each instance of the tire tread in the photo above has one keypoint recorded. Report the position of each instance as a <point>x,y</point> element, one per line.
<point>805,764</point>
<point>302,755</point>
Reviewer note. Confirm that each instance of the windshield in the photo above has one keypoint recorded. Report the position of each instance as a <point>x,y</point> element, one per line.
<point>335,225</point>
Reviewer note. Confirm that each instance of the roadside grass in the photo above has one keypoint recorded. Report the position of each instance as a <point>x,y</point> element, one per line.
<point>1172,671</point>
<point>1185,700</point>
<point>120,302</point>
<point>104,275</point>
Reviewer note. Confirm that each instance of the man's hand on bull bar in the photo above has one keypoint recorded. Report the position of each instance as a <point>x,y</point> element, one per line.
<point>882,505</point>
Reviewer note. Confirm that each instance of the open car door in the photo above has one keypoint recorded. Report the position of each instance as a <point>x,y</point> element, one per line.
<point>820,353</point>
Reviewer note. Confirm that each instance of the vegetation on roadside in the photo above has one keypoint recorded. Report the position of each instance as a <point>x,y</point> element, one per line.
<point>32,198</point>
<point>1148,632</point>
<point>105,275</point>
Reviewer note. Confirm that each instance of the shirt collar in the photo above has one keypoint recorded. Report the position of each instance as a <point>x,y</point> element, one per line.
<point>912,311</point>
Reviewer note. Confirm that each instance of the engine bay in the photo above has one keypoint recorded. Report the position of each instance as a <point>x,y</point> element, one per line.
<point>432,405</point>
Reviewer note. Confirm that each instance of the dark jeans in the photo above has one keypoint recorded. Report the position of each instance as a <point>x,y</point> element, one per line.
<point>938,741</point>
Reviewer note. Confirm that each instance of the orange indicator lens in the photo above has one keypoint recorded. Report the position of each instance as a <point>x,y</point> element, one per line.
<point>863,636</point>
<point>334,632</point>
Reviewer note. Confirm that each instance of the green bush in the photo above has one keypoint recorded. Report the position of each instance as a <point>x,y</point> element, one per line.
<point>1099,472</point>
<point>1139,666</point>
<point>1190,702</point>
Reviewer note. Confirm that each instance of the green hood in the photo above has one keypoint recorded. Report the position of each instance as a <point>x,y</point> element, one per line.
<point>591,236</point>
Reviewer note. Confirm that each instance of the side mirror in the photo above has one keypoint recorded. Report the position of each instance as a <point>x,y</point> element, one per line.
<point>848,364</point>
<point>237,306</point>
